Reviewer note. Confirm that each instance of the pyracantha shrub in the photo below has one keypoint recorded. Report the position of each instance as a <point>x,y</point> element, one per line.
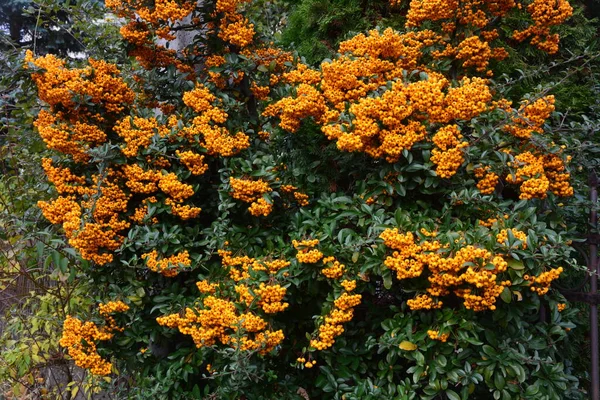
<point>383,226</point>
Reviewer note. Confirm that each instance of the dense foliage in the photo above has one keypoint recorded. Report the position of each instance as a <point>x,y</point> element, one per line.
<point>385,225</point>
<point>39,272</point>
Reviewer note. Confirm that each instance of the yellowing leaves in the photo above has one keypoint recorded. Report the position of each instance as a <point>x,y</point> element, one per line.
<point>408,346</point>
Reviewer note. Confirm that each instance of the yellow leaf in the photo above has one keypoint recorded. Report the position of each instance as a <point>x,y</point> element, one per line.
<point>408,346</point>
<point>518,294</point>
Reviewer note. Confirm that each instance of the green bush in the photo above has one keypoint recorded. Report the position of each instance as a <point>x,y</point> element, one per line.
<point>387,225</point>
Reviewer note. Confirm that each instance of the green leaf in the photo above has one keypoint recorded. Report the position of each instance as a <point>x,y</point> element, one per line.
<point>517,265</point>
<point>532,390</point>
<point>489,350</point>
<point>506,295</point>
<point>196,392</point>
<point>414,167</point>
<point>387,281</point>
<point>442,361</point>
<point>452,395</point>
<point>499,381</point>
<point>419,358</point>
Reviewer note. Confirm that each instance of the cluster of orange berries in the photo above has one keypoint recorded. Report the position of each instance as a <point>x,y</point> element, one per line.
<point>208,125</point>
<point>248,190</point>
<point>199,99</point>
<point>218,319</point>
<point>476,53</point>
<point>401,49</point>
<point>96,239</point>
<point>545,14</point>
<point>473,52</point>
<point>531,117</point>
<point>174,188</point>
<point>343,309</point>
<point>307,254</point>
<point>488,223</point>
<point>251,191</point>
<point>212,61</point>
<point>239,267</point>
<point>386,124</point>
<point>169,266</point>
<point>307,364</point>
<point>472,16</point>
<point>178,192</point>
<point>487,180</point>
<point>307,103</point>
<point>135,33</point>
<point>424,302</point>
<point>471,272</point>
<point>98,208</point>
<point>228,6</point>
<point>67,138</point>
<point>342,312</point>
<point>260,207</point>
<point>82,127</point>
<point>270,298</point>
<point>139,214</point>
<point>260,92</point>
<point>541,284</point>
<point>448,156</point>
<point>106,309</point>
<point>299,197</point>
<point>502,237</point>
<point>183,211</point>
<point>75,334</point>
<point>381,126</point>
<point>387,111</point>
<point>141,181</point>
<point>468,100</point>
<point>158,19</point>
<point>166,10</point>
<point>334,270</point>
<point>206,287</point>
<point>80,338</point>
<point>64,180</point>
<point>58,85</point>
<point>234,28</point>
<point>539,174</point>
<point>428,10</point>
<point>405,247</point>
<point>302,73</point>
<point>451,15</point>
<point>435,335</point>
<point>559,179</point>
<point>193,161</point>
